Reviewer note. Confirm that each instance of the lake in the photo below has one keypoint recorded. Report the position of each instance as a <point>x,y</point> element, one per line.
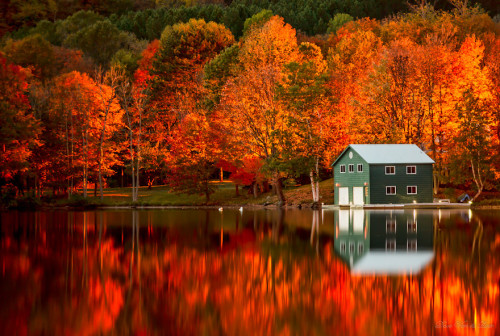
<point>231,272</point>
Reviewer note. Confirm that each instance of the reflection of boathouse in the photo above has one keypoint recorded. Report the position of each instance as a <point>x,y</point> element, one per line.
<point>384,242</point>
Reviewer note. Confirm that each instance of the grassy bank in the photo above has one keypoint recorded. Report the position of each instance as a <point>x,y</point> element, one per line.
<point>225,194</point>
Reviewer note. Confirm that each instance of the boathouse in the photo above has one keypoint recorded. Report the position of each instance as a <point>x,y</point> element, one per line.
<point>382,174</point>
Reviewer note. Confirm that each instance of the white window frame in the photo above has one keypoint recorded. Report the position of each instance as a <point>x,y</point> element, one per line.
<point>411,245</point>
<point>361,248</point>
<point>351,165</point>
<point>390,245</point>
<point>393,170</point>
<point>342,247</point>
<point>411,193</point>
<point>387,191</point>
<point>410,224</point>
<point>360,165</point>
<point>342,166</point>
<point>392,224</point>
<point>409,167</point>
<point>352,248</point>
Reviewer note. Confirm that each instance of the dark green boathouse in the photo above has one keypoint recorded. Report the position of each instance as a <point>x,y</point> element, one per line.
<point>382,174</point>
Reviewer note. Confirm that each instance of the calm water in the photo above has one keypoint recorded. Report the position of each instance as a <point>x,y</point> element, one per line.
<point>192,272</point>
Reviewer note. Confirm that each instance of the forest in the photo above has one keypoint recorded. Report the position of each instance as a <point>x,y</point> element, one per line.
<point>174,93</point>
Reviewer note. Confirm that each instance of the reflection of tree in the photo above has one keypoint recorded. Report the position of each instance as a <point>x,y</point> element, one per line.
<point>156,284</point>
<point>315,228</point>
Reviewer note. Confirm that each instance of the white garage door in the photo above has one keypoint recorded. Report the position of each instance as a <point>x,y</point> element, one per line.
<point>358,217</point>
<point>344,196</point>
<point>357,196</point>
<point>343,220</point>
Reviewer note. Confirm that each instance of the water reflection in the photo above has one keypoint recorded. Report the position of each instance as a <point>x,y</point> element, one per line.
<point>384,242</point>
<point>257,272</point>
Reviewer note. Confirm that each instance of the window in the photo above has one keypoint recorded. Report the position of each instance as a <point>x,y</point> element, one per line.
<point>411,226</point>
<point>342,168</point>
<point>351,168</point>
<point>361,248</point>
<point>351,248</point>
<point>342,247</point>
<point>390,245</point>
<point>411,190</point>
<point>411,245</point>
<point>390,170</point>
<point>360,167</point>
<point>390,190</point>
<point>411,170</point>
<point>390,225</point>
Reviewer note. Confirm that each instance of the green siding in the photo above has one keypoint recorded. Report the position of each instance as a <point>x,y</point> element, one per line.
<point>422,179</point>
<point>379,235</point>
<point>352,237</point>
<point>351,180</point>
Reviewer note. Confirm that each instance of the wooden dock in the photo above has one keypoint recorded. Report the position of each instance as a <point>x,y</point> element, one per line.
<point>440,205</point>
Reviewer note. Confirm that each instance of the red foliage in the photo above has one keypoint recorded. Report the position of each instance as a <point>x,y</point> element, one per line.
<point>142,74</point>
<point>18,128</point>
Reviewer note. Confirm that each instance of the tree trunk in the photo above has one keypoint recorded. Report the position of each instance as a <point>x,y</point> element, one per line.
<point>131,148</point>
<point>85,166</point>
<point>138,153</point>
<point>255,190</point>
<point>207,193</point>
<point>101,155</point>
<point>477,195</point>
<point>435,185</point>
<point>314,176</point>
<point>311,176</point>
<point>237,192</point>
<point>478,179</point>
<point>265,186</point>
<point>279,190</point>
<point>316,185</point>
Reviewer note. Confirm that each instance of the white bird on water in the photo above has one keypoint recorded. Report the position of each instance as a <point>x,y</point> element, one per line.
<point>220,209</point>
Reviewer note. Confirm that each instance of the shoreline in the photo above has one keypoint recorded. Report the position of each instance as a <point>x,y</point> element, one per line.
<point>310,206</point>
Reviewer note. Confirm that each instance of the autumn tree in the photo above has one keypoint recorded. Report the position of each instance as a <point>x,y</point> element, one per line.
<point>351,58</point>
<point>78,105</point>
<point>19,129</point>
<point>492,63</point>
<point>475,138</point>
<point>132,96</point>
<point>193,155</point>
<point>32,51</point>
<point>304,94</point>
<point>110,112</point>
<point>250,99</point>
<point>174,84</point>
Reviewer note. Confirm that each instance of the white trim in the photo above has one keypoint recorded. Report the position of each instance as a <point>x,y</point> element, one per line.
<point>351,165</point>
<point>393,168</point>
<point>411,167</point>
<point>342,166</point>
<point>411,193</point>
<point>360,165</point>
<point>386,191</point>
